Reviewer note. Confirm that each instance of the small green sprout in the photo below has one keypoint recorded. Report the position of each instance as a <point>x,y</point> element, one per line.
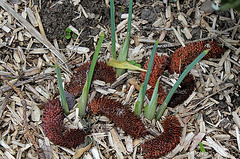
<point>201,147</point>
<point>69,34</point>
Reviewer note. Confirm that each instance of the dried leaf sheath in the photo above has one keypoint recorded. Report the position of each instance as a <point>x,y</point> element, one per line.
<point>101,72</point>
<point>121,115</point>
<point>166,142</point>
<point>53,126</point>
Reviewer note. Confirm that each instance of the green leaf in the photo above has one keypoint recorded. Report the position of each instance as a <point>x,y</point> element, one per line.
<point>123,65</point>
<point>139,102</point>
<point>140,99</point>
<point>150,110</point>
<point>113,29</point>
<point>201,147</point>
<point>138,65</point>
<point>227,4</point>
<point>133,62</point>
<point>61,90</point>
<point>185,72</point>
<point>83,100</point>
<point>68,30</point>
<point>68,36</point>
<point>124,50</point>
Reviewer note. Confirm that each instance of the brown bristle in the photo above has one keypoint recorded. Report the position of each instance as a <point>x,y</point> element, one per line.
<point>159,64</point>
<point>78,79</point>
<point>161,93</point>
<point>121,115</point>
<point>182,94</point>
<point>53,126</point>
<point>166,142</point>
<point>185,55</point>
<point>101,72</point>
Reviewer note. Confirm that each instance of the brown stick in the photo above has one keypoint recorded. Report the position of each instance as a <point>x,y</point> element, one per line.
<point>25,124</point>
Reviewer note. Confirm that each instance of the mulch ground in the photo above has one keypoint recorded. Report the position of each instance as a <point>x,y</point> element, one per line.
<point>33,39</point>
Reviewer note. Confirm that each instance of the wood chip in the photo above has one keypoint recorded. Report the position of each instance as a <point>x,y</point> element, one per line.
<point>117,142</point>
<point>31,17</point>
<point>217,147</point>
<point>198,138</point>
<point>236,119</point>
<point>180,39</point>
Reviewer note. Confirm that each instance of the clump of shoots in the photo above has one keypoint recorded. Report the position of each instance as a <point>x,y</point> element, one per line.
<point>143,89</point>
<point>124,50</point>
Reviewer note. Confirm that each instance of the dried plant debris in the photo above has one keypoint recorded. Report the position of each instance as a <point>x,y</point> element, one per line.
<point>54,129</point>
<point>185,55</point>
<point>166,142</point>
<point>120,114</point>
<point>102,72</point>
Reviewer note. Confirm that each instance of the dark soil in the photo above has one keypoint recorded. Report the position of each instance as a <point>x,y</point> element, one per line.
<point>56,17</point>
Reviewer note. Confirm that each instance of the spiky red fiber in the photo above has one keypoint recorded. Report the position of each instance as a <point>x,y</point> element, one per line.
<point>159,64</point>
<point>54,129</point>
<point>166,142</point>
<point>185,55</point>
<point>120,114</point>
<point>161,93</point>
<point>101,72</point>
<point>182,94</point>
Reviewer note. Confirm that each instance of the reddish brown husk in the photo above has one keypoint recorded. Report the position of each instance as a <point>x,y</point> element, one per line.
<point>159,64</point>
<point>182,94</point>
<point>54,129</point>
<point>102,72</point>
<point>161,93</point>
<point>121,115</point>
<point>166,142</point>
<point>185,55</point>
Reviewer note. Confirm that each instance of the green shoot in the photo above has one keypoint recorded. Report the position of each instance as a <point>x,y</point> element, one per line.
<point>185,72</point>
<point>142,92</point>
<point>227,4</point>
<point>124,50</point>
<point>149,110</point>
<point>135,63</point>
<point>201,147</point>
<point>139,102</point>
<point>113,29</point>
<point>61,91</point>
<point>68,33</point>
<point>83,100</point>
